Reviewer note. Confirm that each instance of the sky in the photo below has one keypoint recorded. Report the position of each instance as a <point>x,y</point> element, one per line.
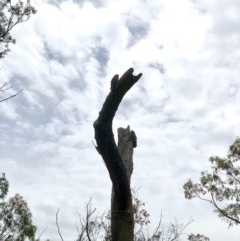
<point>184,109</point>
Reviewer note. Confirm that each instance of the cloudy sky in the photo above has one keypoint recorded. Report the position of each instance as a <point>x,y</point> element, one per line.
<point>184,109</point>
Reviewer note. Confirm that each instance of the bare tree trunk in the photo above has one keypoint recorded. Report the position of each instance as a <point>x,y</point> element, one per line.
<point>121,222</point>
<point>126,143</point>
<point>122,217</point>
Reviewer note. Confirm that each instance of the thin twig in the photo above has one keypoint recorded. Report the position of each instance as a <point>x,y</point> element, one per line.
<point>158,227</point>
<point>80,235</point>
<point>44,230</point>
<point>11,96</point>
<point>58,225</point>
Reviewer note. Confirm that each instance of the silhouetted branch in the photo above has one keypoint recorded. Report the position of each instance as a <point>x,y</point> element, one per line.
<point>106,145</point>
<point>59,232</point>
<point>121,204</point>
<point>4,88</point>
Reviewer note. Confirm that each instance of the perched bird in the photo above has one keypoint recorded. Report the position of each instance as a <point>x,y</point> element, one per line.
<point>134,139</point>
<point>114,82</point>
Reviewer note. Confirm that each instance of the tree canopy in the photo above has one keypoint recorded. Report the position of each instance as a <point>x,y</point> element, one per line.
<point>10,16</point>
<point>15,216</point>
<point>221,186</point>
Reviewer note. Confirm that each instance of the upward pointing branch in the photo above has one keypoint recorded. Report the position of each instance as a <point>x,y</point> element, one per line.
<point>106,145</point>
<point>121,209</point>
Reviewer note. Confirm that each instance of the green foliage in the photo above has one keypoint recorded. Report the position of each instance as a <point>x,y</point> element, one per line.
<point>198,237</point>
<point>221,186</point>
<point>10,16</point>
<point>15,216</point>
<point>3,186</point>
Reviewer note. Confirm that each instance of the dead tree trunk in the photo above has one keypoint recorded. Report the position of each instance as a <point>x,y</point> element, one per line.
<point>126,143</point>
<point>121,210</point>
<point>127,140</point>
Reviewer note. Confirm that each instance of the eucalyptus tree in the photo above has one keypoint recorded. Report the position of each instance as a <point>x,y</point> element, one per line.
<point>221,186</point>
<point>15,216</point>
<point>10,16</point>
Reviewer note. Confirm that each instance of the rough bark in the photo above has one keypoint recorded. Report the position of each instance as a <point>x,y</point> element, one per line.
<point>125,148</point>
<point>122,218</point>
<point>125,221</point>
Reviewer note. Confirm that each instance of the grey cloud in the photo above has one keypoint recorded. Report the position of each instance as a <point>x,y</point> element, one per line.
<point>52,54</point>
<point>79,84</point>
<point>96,3</point>
<point>227,26</point>
<point>101,54</point>
<point>57,3</point>
<point>138,29</point>
<point>158,66</point>
<point>200,6</point>
<point>224,35</point>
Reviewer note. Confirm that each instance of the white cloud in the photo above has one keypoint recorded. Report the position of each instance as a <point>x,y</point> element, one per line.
<point>64,59</point>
